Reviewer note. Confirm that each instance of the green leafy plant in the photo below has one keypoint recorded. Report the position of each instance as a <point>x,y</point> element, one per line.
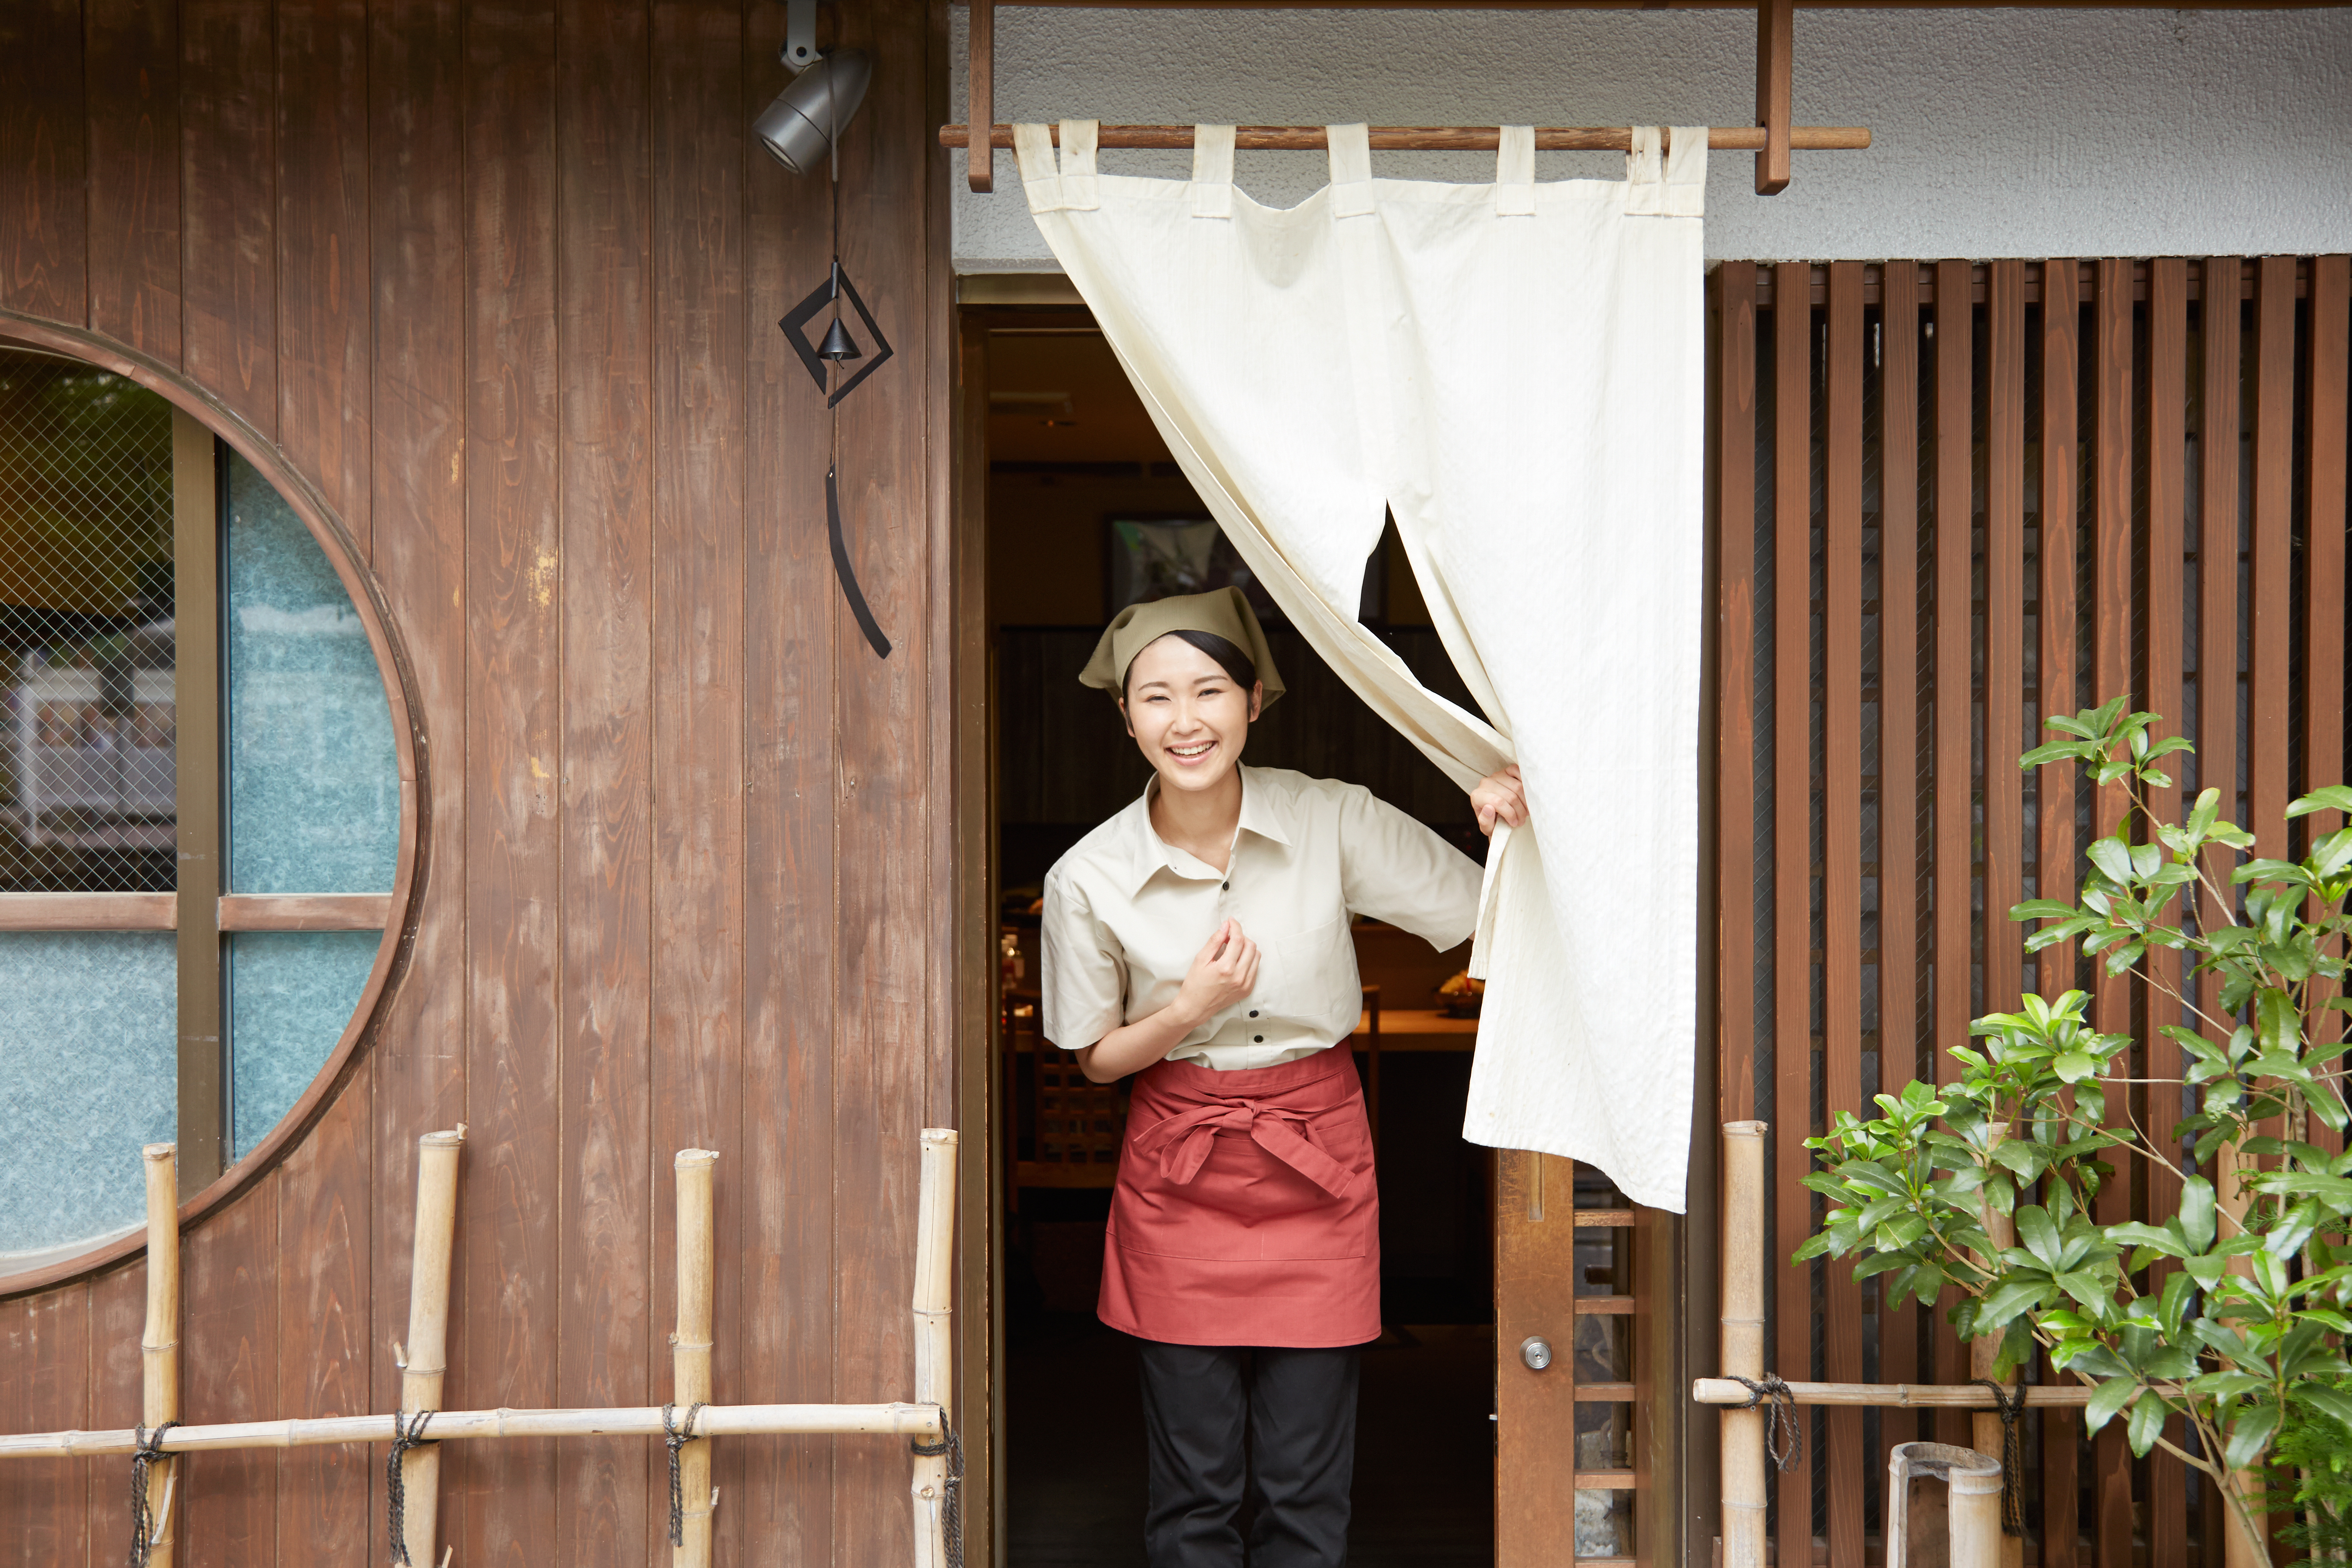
<point>2229,1312</point>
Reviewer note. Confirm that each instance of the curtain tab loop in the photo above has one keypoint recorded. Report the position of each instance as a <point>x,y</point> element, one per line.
<point>1212,171</point>
<point>1041,180</point>
<point>1646,173</point>
<point>1686,172</point>
<point>1351,170</point>
<point>1514,172</point>
<point>1078,189</point>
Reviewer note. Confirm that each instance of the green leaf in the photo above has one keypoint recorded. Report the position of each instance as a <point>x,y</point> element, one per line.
<point>2147,1421</point>
<point>2250,1435</point>
<point>2197,1212</point>
<point>2039,1231</point>
<point>2108,1399</point>
<point>2113,858</point>
<point>2328,798</point>
<point>2005,1301</point>
<point>2332,1402</point>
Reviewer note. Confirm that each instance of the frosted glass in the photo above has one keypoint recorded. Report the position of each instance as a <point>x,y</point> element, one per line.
<point>314,784</point>
<point>291,993</point>
<point>88,1072</point>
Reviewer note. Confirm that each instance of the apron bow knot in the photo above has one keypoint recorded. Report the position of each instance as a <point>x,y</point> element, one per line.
<point>1183,1142</point>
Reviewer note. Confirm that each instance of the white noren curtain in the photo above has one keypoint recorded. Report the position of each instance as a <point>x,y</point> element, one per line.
<point>1514,371</point>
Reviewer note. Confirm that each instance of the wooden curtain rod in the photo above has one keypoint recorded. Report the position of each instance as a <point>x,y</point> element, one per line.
<point>1441,137</point>
<point>1893,1395</point>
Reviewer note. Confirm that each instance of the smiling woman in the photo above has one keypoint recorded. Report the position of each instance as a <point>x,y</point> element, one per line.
<point>186,689</point>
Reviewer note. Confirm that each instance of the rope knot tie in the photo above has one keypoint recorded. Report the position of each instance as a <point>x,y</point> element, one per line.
<point>1784,1435</point>
<point>143,1522</point>
<point>952,1503</point>
<point>675,1437</point>
<point>2011,1404</point>
<point>407,1432</point>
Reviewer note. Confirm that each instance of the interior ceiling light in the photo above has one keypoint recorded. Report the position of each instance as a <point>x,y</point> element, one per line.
<point>802,127</point>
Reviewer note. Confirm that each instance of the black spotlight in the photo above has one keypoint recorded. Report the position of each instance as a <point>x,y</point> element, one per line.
<point>801,127</point>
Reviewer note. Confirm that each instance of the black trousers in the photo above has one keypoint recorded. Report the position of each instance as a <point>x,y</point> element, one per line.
<point>1223,1422</point>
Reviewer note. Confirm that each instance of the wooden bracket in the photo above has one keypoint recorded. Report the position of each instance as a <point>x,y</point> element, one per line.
<point>1775,43</point>
<point>981,116</point>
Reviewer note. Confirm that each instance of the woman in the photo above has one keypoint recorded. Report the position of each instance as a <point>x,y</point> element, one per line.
<point>1200,938</point>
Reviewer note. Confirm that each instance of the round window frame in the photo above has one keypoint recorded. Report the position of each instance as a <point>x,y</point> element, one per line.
<point>392,667</point>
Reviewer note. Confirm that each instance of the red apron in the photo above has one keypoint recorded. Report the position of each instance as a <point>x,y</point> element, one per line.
<point>1246,1212</point>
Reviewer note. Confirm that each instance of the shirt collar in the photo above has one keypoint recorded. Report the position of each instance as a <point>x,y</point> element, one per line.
<point>1266,812</point>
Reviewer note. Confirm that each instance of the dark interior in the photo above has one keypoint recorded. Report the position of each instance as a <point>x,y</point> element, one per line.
<point>1073,457</point>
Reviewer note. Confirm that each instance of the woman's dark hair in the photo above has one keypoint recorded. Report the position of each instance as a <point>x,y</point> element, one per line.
<point>1231,660</point>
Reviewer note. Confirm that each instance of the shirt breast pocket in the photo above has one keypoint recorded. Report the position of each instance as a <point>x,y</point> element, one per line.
<point>1309,978</point>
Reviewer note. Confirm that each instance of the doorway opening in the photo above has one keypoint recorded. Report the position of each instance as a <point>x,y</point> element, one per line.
<point>1086,511</point>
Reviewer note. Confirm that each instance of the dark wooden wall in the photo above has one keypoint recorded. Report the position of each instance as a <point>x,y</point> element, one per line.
<point>501,279</point>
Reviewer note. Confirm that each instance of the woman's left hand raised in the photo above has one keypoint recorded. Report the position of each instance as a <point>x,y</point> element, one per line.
<point>1500,797</point>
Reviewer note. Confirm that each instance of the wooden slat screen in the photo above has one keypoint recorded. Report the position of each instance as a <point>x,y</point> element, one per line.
<point>1948,499</point>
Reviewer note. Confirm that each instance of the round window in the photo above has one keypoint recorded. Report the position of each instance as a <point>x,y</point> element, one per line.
<point>200,802</point>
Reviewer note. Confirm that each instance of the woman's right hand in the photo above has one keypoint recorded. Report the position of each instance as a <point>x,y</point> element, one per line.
<point>1223,972</point>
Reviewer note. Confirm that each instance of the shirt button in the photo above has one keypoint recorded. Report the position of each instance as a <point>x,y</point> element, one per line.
<point>1228,886</point>
<point>1252,1011</point>
<point>1256,1039</point>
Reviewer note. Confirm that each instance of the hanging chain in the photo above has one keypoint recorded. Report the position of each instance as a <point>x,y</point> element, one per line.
<point>676,1438</point>
<point>1784,1435</point>
<point>2010,1403</point>
<point>951,1499</point>
<point>404,1437</point>
<point>143,1524</point>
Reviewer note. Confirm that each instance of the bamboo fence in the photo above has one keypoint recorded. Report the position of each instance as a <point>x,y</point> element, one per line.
<point>421,1361</point>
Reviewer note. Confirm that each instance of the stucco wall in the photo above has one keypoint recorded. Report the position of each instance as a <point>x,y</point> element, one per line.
<point>2019,133</point>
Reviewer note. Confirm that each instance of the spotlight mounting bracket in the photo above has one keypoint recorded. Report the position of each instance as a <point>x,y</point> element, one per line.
<point>805,312</point>
<point>799,51</point>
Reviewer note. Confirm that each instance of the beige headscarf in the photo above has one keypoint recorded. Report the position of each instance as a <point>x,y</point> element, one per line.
<point>1224,612</point>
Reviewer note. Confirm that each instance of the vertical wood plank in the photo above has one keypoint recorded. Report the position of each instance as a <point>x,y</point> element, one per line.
<point>605,1346</point>
<point>2054,796</point>
<point>1535,1293</point>
<point>1954,720</point>
<point>417,507</point>
<point>2111,526</point>
<point>44,233</point>
<point>2218,547</point>
<point>698,401</point>
<point>134,174</point>
<point>1841,863</point>
<point>229,1361</point>
<point>2005,734</point>
<point>45,1386</point>
<point>2168,393</point>
<point>327,1497</point>
<point>789,930</point>
<point>118,1312</point>
<point>1792,1028</point>
<point>1898,760</point>
<point>2270,622</point>
<point>508,1222</point>
<point>1735,512</point>
<point>2325,396</point>
<point>228,256</point>
<point>322,234</point>
<point>881,708</point>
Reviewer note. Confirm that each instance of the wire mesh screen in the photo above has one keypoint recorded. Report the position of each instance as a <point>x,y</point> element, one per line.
<point>1955,500</point>
<point>86,781</point>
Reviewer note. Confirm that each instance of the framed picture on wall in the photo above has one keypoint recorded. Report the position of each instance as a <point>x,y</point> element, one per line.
<point>1147,556</point>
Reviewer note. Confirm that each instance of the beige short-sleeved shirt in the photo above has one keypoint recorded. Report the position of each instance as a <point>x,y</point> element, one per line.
<point>1126,914</point>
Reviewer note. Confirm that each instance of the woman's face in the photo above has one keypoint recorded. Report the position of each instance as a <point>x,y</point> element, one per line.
<point>1186,714</point>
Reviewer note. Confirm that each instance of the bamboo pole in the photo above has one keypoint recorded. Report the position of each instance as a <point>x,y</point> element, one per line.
<point>1741,1328</point>
<point>1986,1433</point>
<point>1894,1395</point>
<point>423,1360</point>
<point>935,1340</point>
<point>1972,1503</point>
<point>2242,1546</point>
<point>690,1348</point>
<point>1440,138</point>
<point>159,1343</point>
<point>903,1420</point>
